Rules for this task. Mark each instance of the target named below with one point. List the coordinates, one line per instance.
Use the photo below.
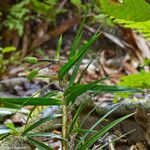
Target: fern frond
(141, 27)
(130, 14)
(132, 10)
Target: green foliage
(6, 61)
(35, 101)
(88, 143)
(75, 2)
(7, 49)
(18, 15)
(146, 62)
(31, 60)
(140, 80)
(66, 99)
(58, 49)
(22, 12)
(141, 27)
(39, 122)
(39, 145)
(129, 13)
(130, 10)
(64, 69)
(32, 74)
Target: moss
(14, 142)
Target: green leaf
(76, 41)
(51, 135)
(140, 80)
(37, 101)
(129, 14)
(110, 88)
(64, 69)
(93, 126)
(75, 2)
(31, 60)
(146, 62)
(76, 90)
(32, 74)
(39, 145)
(77, 113)
(103, 131)
(39, 122)
(86, 117)
(7, 49)
(83, 130)
(83, 72)
(11, 126)
(58, 47)
(75, 71)
(141, 27)
(101, 148)
(128, 9)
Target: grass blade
(91, 141)
(75, 71)
(78, 111)
(43, 101)
(98, 122)
(66, 67)
(79, 130)
(76, 90)
(83, 72)
(77, 39)
(110, 88)
(39, 145)
(86, 117)
(41, 121)
(58, 47)
(101, 148)
(51, 135)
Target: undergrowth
(74, 135)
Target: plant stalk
(64, 127)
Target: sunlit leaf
(31, 60)
(64, 69)
(32, 74)
(37, 101)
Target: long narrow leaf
(101, 148)
(43, 101)
(93, 139)
(77, 39)
(58, 47)
(78, 111)
(41, 121)
(84, 130)
(110, 88)
(83, 72)
(39, 145)
(86, 117)
(97, 123)
(78, 90)
(75, 71)
(51, 135)
(64, 69)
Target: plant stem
(64, 127)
